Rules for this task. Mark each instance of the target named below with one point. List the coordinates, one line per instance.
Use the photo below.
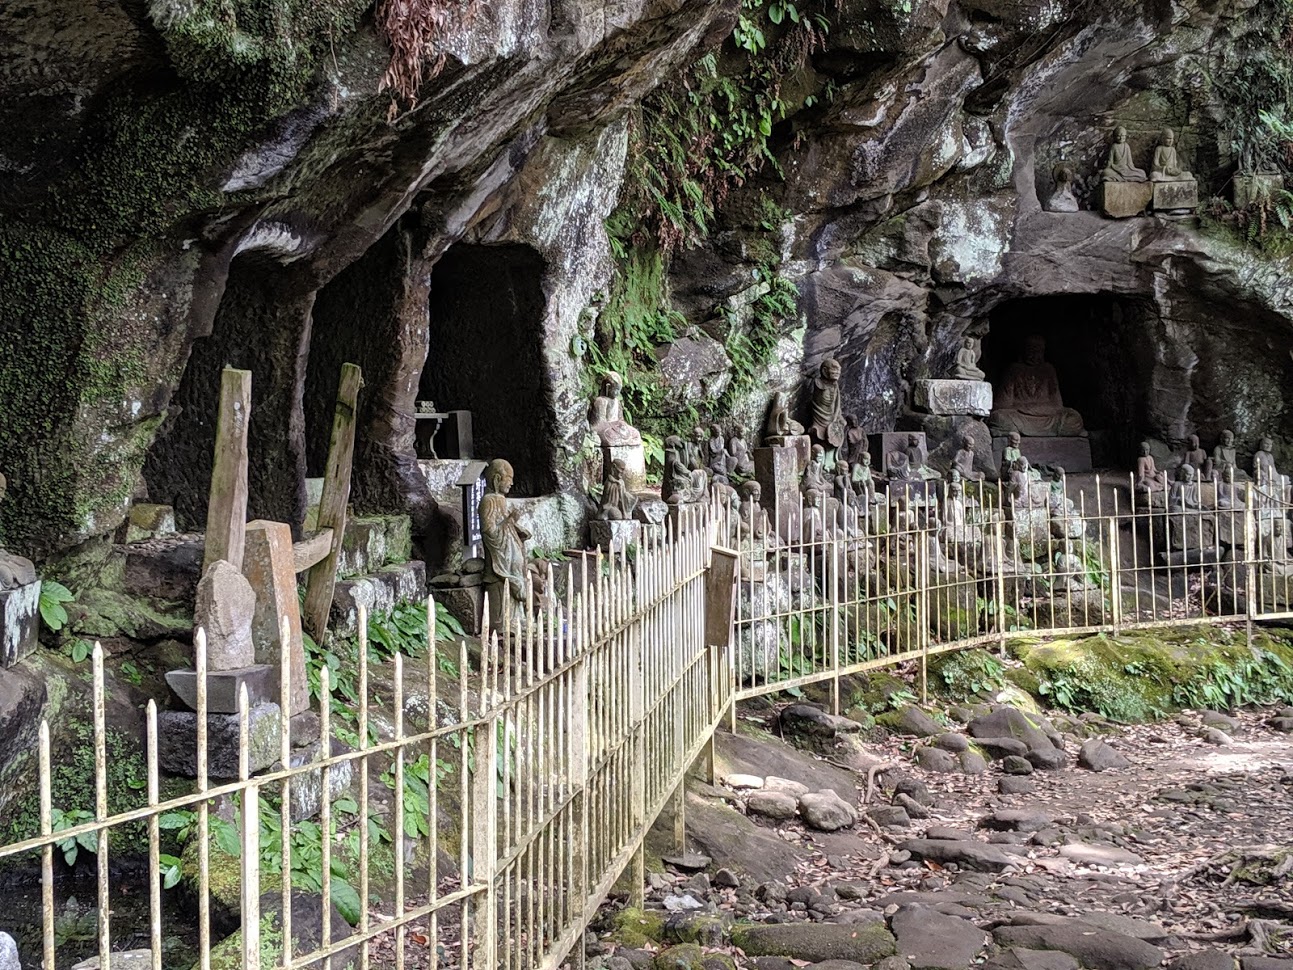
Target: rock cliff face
(198, 184)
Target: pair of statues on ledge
(1166, 165)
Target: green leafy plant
(61, 821)
(970, 673)
(53, 596)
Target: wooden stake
(227, 507)
(332, 505)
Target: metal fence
(513, 783)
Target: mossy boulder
(816, 942)
(636, 928)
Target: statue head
(1194, 442)
(1185, 473)
(1144, 449)
(813, 496)
(830, 369)
(1014, 439)
(1057, 474)
(819, 453)
(956, 476)
(1021, 464)
(843, 468)
(1228, 474)
(913, 441)
(968, 343)
(851, 421)
(1034, 349)
(967, 442)
(618, 468)
(1169, 137)
(1268, 444)
(866, 459)
(698, 433)
(751, 491)
(1119, 135)
(498, 476)
(1227, 438)
(612, 384)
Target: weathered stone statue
(967, 362)
(843, 483)
(1029, 401)
(1010, 455)
(618, 500)
(864, 479)
(682, 485)
(963, 461)
(1121, 168)
(1184, 493)
(739, 461)
(1229, 495)
(1166, 166)
(815, 473)
(15, 570)
(606, 416)
(898, 463)
(916, 458)
(780, 424)
(855, 444)
(1062, 199)
(828, 415)
(696, 449)
(716, 456)
(754, 521)
(1264, 470)
(504, 541)
(1148, 477)
(1194, 455)
(1225, 454)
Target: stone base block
(615, 536)
(634, 458)
(405, 583)
(165, 568)
(1176, 195)
(224, 686)
(1121, 200)
(778, 469)
(464, 605)
(372, 541)
(19, 623)
(1071, 454)
(306, 796)
(177, 745)
(954, 397)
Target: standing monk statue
(828, 426)
(504, 541)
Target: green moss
(636, 928)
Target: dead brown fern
(414, 30)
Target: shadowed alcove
(486, 355)
(1103, 352)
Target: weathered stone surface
(147, 520)
(773, 804)
(1121, 200)
(9, 953)
(826, 811)
(614, 536)
(1203, 960)
(1002, 747)
(1094, 948)
(19, 623)
(954, 397)
(225, 607)
(1015, 765)
(1017, 785)
(930, 940)
(1020, 958)
(966, 853)
(1169, 196)
(177, 741)
(911, 720)
(267, 564)
(224, 686)
(121, 960)
(383, 591)
(1098, 755)
(937, 759)
(816, 942)
(1098, 854)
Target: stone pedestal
(1071, 454)
(778, 470)
(614, 536)
(634, 458)
(224, 686)
(1175, 195)
(1121, 200)
(19, 623)
(802, 445)
(954, 397)
(464, 603)
(177, 746)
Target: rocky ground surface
(1058, 845)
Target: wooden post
(332, 505)
(227, 507)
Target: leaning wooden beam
(332, 505)
(227, 507)
(312, 551)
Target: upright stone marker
(269, 567)
(227, 509)
(322, 578)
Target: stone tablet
(225, 607)
(1175, 195)
(949, 397)
(1122, 200)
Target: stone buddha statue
(618, 500)
(606, 415)
(828, 425)
(1184, 493)
(1194, 455)
(1264, 470)
(1166, 166)
(963, 462)
(815, 477)
(780, 424)
(1121, 168)
(15, 570)
(739, 461)
(1148, 477)
(1225, 454)
(1029, 399)
(967, 362)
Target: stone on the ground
(861, 943)
(1098, 755)
(121, 960)
(936, 759)
(972, 763)
(1019, 958)
(8, 953)
(1094, 948)
(1212, 736)
(911, 720)
(224, 608)
(681, 903)
(1099, 854)
(1047, 759)
(778, 805)
(966, 853)
(1015, 764)
(826, 811)
(929, 940)
(1220, 721)
(890, 816)
(807, 719)
(726, 879)
(1282, 724)
(839, 965)
(1017, 785)
(690, 861)
(1016, 820)
(913, 808)
(177, 741)
(1002, 747)
(952, 742)
(894, 962)
(739, 781)
(1141, 929)
(1203, 960)
(1265, 963)
(946, 832)
(915, 789)
(1010, 722)
(774, 783)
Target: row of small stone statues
(1221, 466)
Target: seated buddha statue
(1029, 402)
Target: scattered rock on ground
(772, 804)
(1099, 755)
(816, 942)
(1094, 948)
(1099, 854)
(826, 811)
(929, 940)
(968, 854)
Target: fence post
(637, 724)
(251, 875)
(999, 552)
(1115, 573)
(920, 536)
(837, 549)
(484, 837)
(1250, 565)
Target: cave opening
(486, 355)
(1102, 348)
(261, 325)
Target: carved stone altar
(951, 397)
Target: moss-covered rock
(635, 928)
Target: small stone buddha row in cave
(1128, 190)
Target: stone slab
(1176, 195)
(778, 470)
(372, 541)
(1121, 200)
(614, 536)
(634, 458)
(268, 566)
(1071, 454)
(19, 623)
(954, 397)
(164, 568)
(177, 741)
(405, 583)
(223, 687)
